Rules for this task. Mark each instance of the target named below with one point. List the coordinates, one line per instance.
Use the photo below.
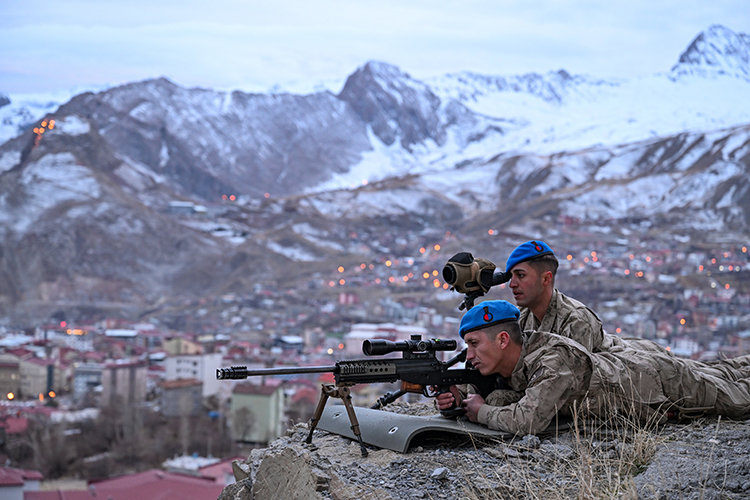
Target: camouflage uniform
(555, 376)
(570, 318)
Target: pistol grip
(454, 412)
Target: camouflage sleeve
(584, 329)
(503, 397)
(552, 385)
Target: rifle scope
(378, 347)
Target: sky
(307, 45)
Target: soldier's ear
(503, 339)
(546, 277)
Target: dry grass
(604, 456)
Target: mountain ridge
(389, 161)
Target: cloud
(252, 45)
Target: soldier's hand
(472, 405)
(445, 400)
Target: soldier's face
(526, 284)
(485, 353)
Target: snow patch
(8, 160)
(70, 125)
(53, 179)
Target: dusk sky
(303, 45)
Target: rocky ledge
(703, 459)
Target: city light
(422, 250)
(426, 276)
(491, 232)
(363, 266)
(437, 248)
(405, 278)
(342, 281)
(51, 394)
(631, 256)
(341, 269)
(436, 283)
(648, 259)
(445, 285)
(341, 346)
(627, 272)
(391, 279)
(682, 321)
(435, 272)
(330, 351)
(569, 257)
(726, 286)
(63, 324)
(618, 330)
(331, 283)
(267, 195)
(11, 395)
(388, 263)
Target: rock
(440, 473)
(531, 442)
(286, 475)
(240, 469)
(241, 490)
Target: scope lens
(449, 274)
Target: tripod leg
(324, 391)
(347, 398)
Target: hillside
(294, 184)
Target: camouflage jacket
(555, 375)
(572, 319)
(552, 373)
(569, 318)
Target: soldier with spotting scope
(531, 269)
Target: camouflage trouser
(723, 386)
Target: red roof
(150, 485)
(10, 477)
(16, 425)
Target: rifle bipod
(343, 393)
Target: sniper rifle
(418, 369)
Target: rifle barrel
(240, 372)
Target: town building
(257, 412)
(181, 398)
(124, 383)
(200, 367)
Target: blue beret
(527, 251)
(487, 313)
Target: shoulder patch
(537, 374)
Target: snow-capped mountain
(84, 189)
(717, 51)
